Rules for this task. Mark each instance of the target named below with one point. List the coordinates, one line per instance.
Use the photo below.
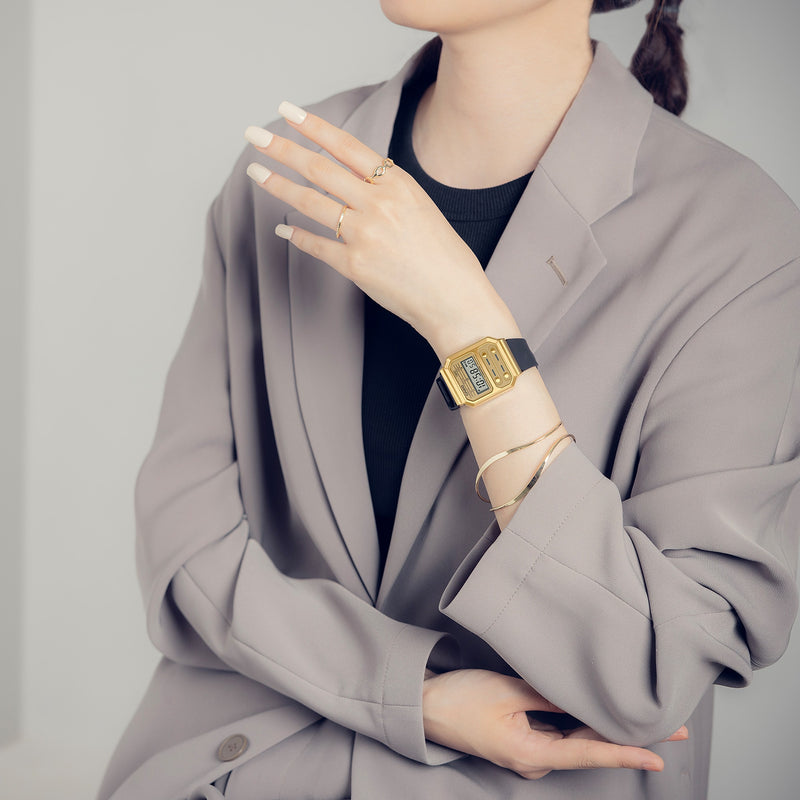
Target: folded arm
(623, 611)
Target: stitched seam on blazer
(282, 666)
(541, 552)
(590, 579)
(383, 682)
(316, 686)
(690, 616)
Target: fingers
(328, 250)
(315, 167)
(578, 753)
(584, 732)
(308, 201)
(341, 145)
(680, 735)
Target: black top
(399, 364)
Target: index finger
(343, 146)
(570, 753)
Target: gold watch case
(480, 372)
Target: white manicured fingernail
(257, 136)
(258, 172)
(292, 112)
(284, 231)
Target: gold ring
(380, 170)
(341, 220)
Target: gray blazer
(656, 274)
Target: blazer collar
(592, 157)
(544, 260)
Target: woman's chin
(458, 16)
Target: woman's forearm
(515, 417)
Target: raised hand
(395, 243)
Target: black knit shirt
(392, 398)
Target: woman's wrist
(472, 321)
(429, 688)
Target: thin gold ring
(341, 220)
(387, 163)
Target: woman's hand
(484, 714)
(395, 244)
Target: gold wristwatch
(483, 370)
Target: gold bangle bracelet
(489, 461)
(536, 475)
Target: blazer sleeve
(214, 597)
(624, 610)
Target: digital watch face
(475, 375)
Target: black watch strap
(523, 355)
(448, 397)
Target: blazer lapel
(545, 259)
(327, 323)
(327, 346)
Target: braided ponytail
(658, 63)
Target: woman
(341, 615)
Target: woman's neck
(499, 97)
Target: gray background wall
(14, 92)
(113, 143)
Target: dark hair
(658, 62)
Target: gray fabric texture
(655, 557)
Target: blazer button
(232, 747)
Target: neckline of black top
(492, 202)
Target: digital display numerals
(475, 375)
